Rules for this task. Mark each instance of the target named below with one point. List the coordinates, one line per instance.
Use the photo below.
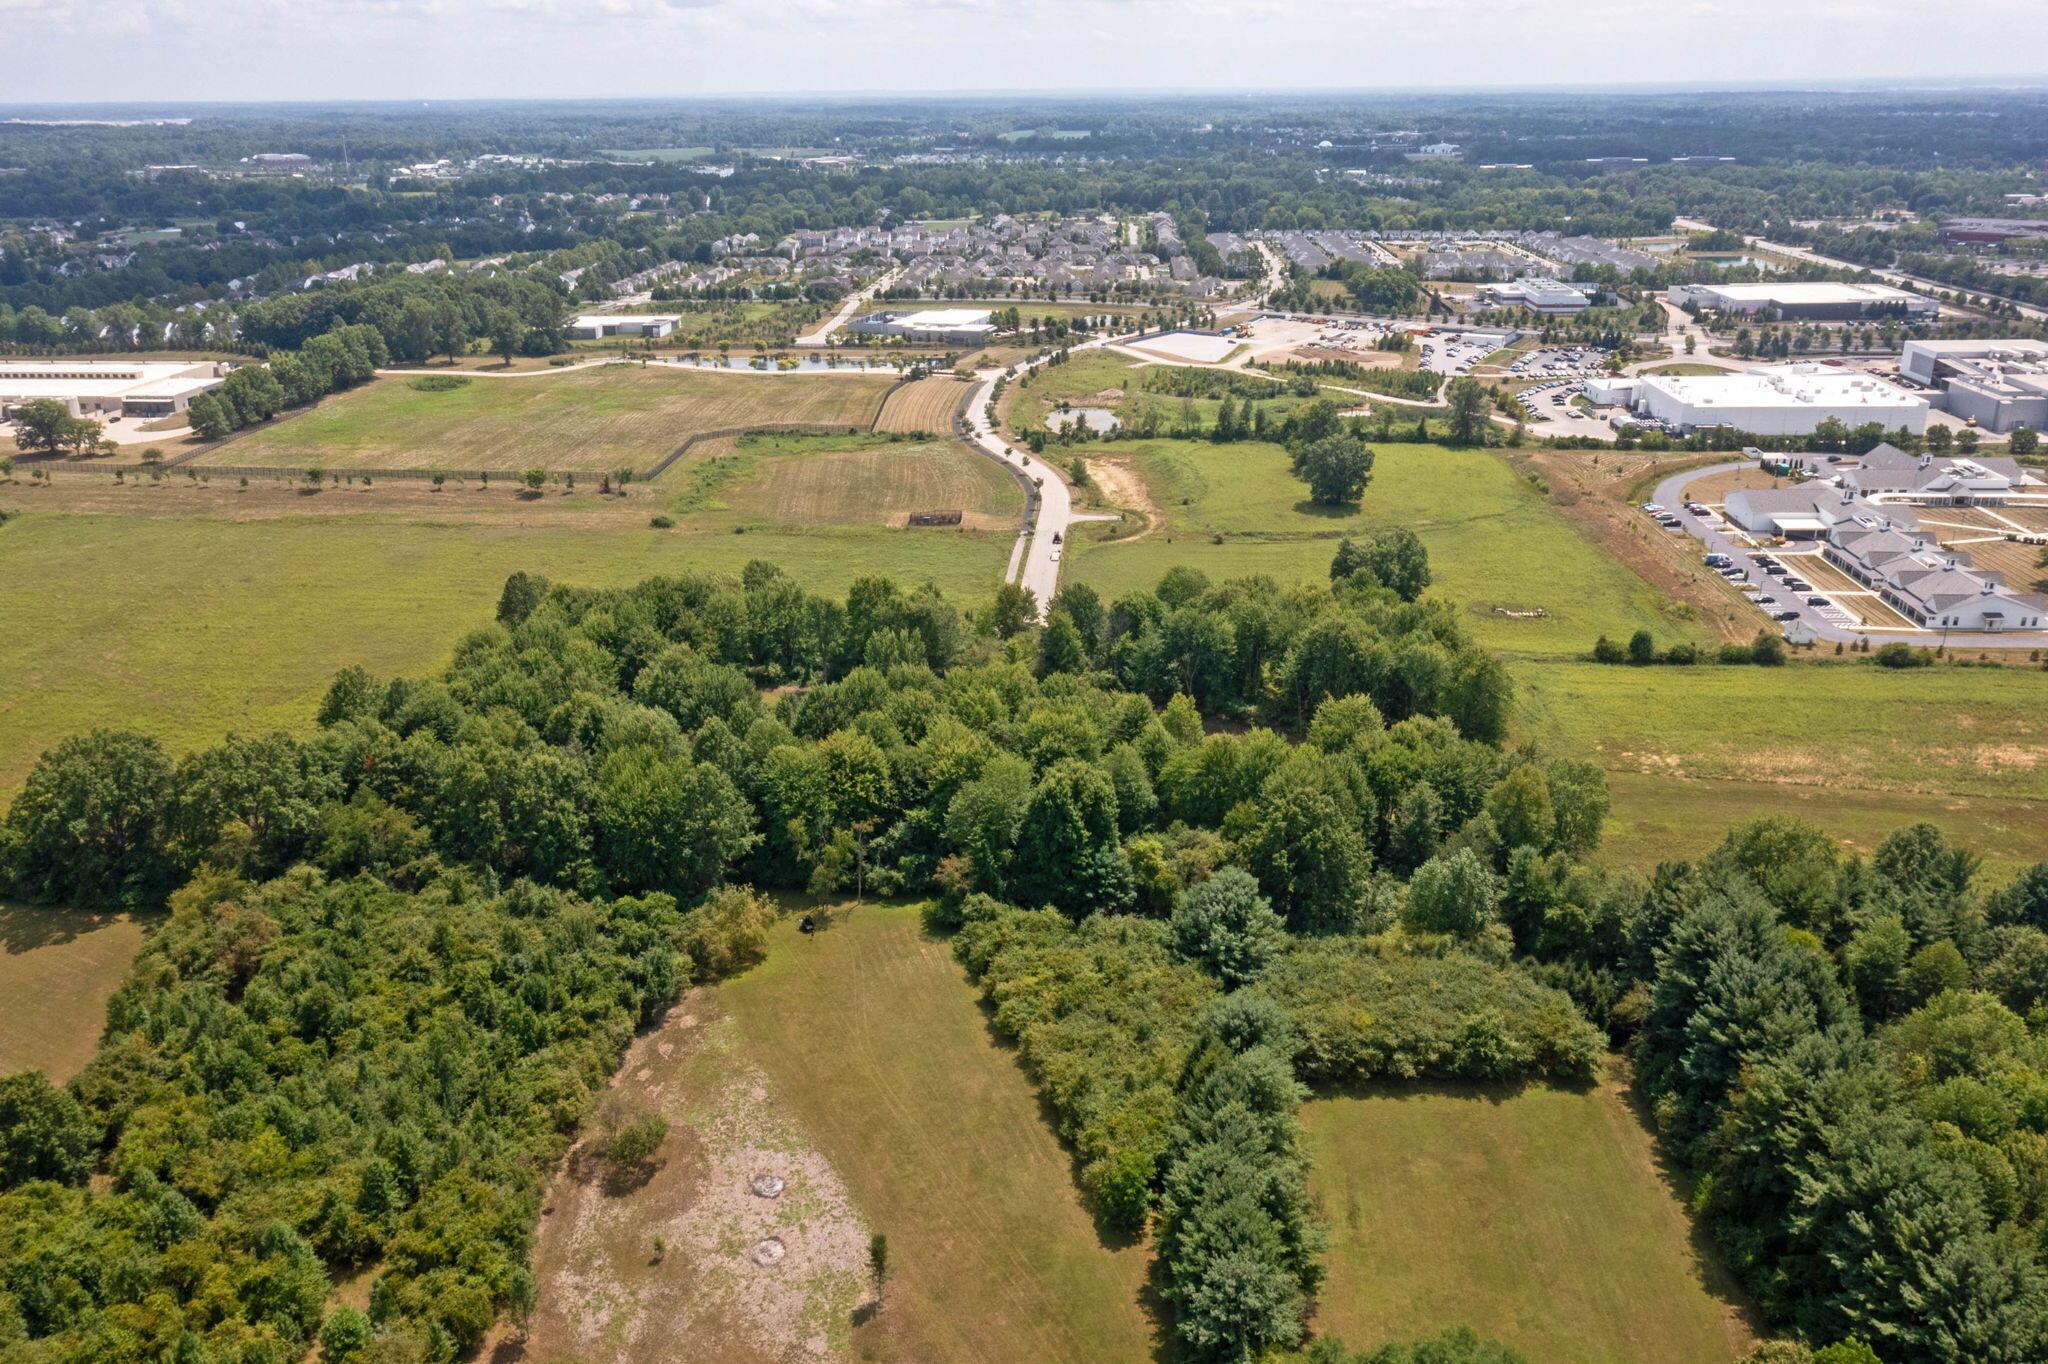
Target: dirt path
(631, 1269)
(1122, 486)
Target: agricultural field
(923, 405)
(780, 481)
(1495, 545)
(58, 968)
(1540, 1217)
(857, 1065)
(607, 417)
(225, 615)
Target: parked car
(1816, 600)
(1784, 615)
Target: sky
(96, 51)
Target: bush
(630, 1139)
(662, 522)
(437, 383)
(1899, 654)
(727, 933)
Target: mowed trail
(872, 1031)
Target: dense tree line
(338, 358)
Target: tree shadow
(1328, 511)
(24, 928)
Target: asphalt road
(1719, 537)
(1041, 545)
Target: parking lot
(1560, 361)
(1455, 353)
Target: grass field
(1538, 1217)
(923, 405)
(780, 481)
(1855, 748)
(58, 967)
(1493, 540)
(871, 1031)
(187, 627)
(616, 416)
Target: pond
(1094, 418)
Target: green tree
(91, 825)
(1469, 407)
(665, 824)
(1227, 927)
(1453, 893)
(1068, 849)
(1394, 558)
(1336, 469)
(44, 1132)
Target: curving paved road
(1720, 537)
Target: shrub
(1899, 654)
(662, 522)
(437, 383)
(727, 933)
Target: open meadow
(1539, 1217)
(856, 1065)
(784, 481)
(58, 968)
(189, 611)
(1495, 544)
(596, 419)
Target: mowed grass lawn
(610, 417)
(1538, 1217)
(58, 968)
(1493, 541)
(872, 1033)
(771, 480)
(187, 629)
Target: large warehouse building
(1787, 400)
(108, 388)
(1808, 301)
(598, 326)
(947, 326)
(1999, 385)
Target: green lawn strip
(59, 967)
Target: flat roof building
(1991, 230)
(1546, 296)
(1999, 385)
(1813, 300)
(108, 388)
(598, 326)
(949, 326)
(1786, 400)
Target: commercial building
(1786, 400)
(1890, 474)
(1934, 587)
(598, 326)
(1811, 301)
(1993, 230)
(1999, 385)
(108, 388)
(946, 326)
(1546, 296)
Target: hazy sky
(97, 50)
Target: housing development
(1104, 723)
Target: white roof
(1781, 386)
(938, 318)
(25, 380)
(615, 319)
(1809, 292)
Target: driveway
(1723, 537)
(847, 309)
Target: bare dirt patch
(1714, 488)
(691, 1252)
(1124, 487)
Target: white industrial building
(1785, 400)
(1547, 296)
(1811, 301)
(1999, 385)
(948, 326)
(598, 326)
(108, 388)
